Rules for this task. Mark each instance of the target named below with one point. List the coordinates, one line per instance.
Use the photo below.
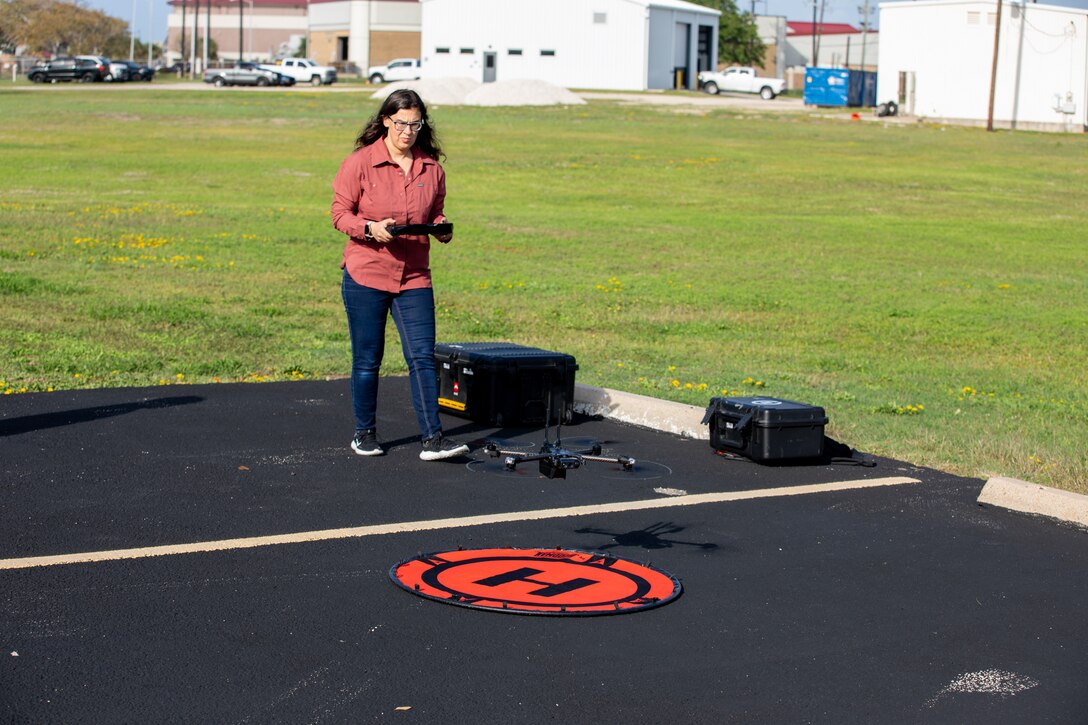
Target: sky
(150, 15)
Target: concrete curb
(678, 418)
(687, 421)
(1011, 493)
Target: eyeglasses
(402, 126)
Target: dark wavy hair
(426, 139)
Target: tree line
(57, 27)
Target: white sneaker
(437, 448)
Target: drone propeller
(501, 443)
(497, 467)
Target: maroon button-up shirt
(370, 186)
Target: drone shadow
(649, 538)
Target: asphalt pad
(242, 559)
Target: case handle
(743, 422)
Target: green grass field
(925, 284)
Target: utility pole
(993, 70)
(241, 44)
(182, 48)
(192, 40)
(814, 33)
(865, 24)
(132, 34)
(207, 32)
(150, 24)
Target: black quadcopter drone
(555, 460)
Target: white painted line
(435, 524)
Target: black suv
(84, 70)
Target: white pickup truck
(398, 69)
(741, 79)
(303, 70)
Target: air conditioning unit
(1064, 105)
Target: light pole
(132, 34)
(181, 72)
(192, 40)
(241, 43)
(151, 25)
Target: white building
(610, 44)
(347, 33)
(772, 31)
(936, 60)
(836, 45)
(262, 27)
(364, 32)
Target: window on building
(600, 18)
(547, 52)
(467, 51)
(514, 51)
(341, 47)
(441, 50)
(973, 17)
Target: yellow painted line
(454, 523)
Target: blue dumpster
(839, 87)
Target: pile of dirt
(467, 92)
(522, 92)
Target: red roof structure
(797, 28)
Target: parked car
(741, 79)
(246, 74)
(138, 72)
(84, 70)
(119, 71)
(106, 64)
(176, 67)
(304, 70)
(398, 69)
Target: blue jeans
(413, 313)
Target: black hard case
(766, 429)
(502, 383)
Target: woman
(392, 178)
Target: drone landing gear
(554, 459)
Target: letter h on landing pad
(549, 589)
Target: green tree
(738, 37)
(57, 27)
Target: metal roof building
(609, 44)
(937, 61)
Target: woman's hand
(444, 238)
(380, 231)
